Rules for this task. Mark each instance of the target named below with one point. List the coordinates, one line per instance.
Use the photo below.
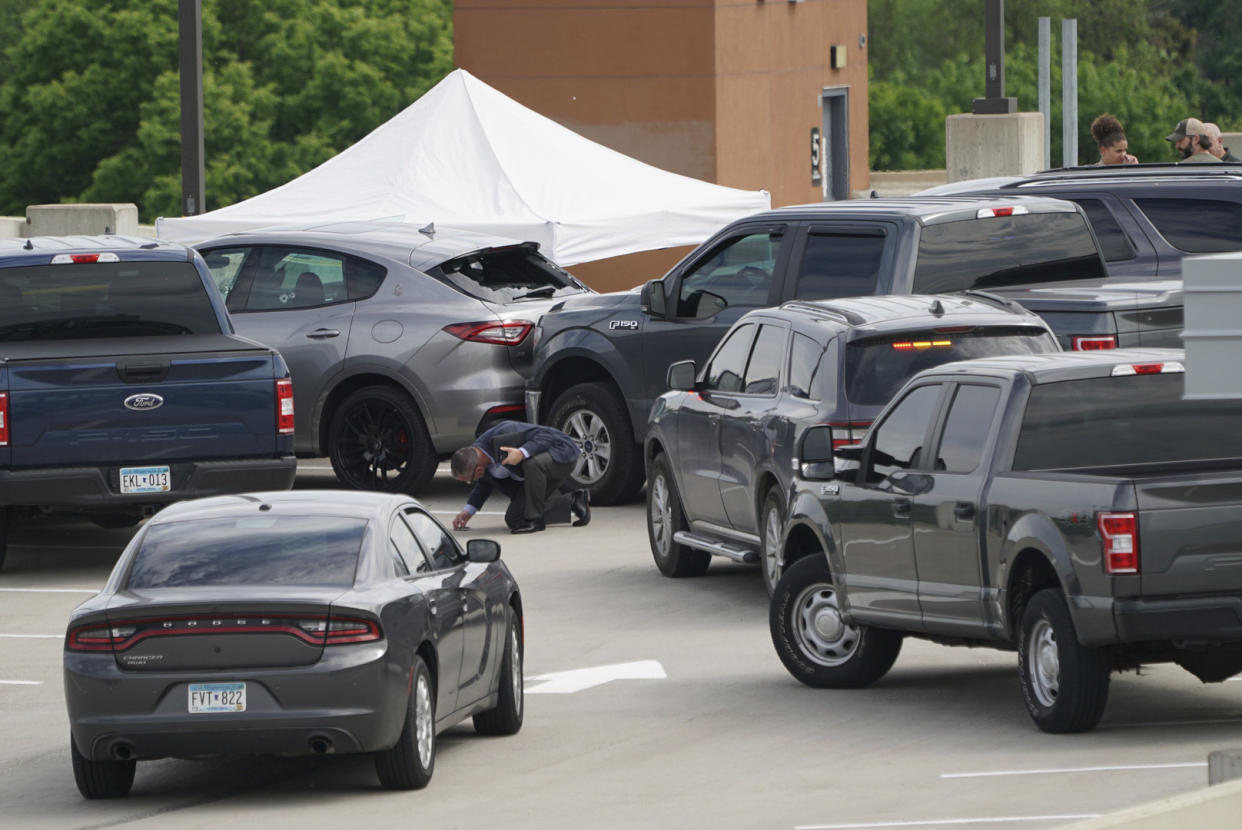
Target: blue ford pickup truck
(123, 386)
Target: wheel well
(347, 387)
(765, 483)
(570, 372)
(1031, 572)
(800, 543)
(428, 653)
(650, 453)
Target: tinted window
(740, 271)
(763, 373)
(104, 299)
(877, 367)
(1103, 422)
(1113, 242)
(407, 547)
(839, 265)
(437, 543)
(1000, 251)
(504, 275)
(804, 363)
(899, 440)
(966, 428)
(250, 550)
(1196, 226)
(284, 278)
(729, 363)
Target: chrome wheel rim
(515, 668)
(589, 433)
(822, 636)
(660, 515)
(1043, 663)
(772, 546)
(424, 729)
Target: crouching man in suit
(531, 465)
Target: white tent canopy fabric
(466, 156)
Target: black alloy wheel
(378, 441)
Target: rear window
(250, 550)
(503, 275)
(876, 368)
(1003, 251)
(1196, 226)
(1118, 421)
(104, 299)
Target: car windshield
(103, 299)
(251, 550)
(876, 367)
(505, 275)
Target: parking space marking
(941, 822)
(51, 590)
(1054, 771)
(34, 636)
(21, 682)
(1206, 722)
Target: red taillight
(1119, 537)
(1165, 368)
(284, 406)
(83, 259)
(986, 213)
(4, 419)
(918, 345)
(507, 333)
(317, 631)
(1091, 343)
(845, 433)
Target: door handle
(431, 607)
(324, 334)
(964, 511)
(901, 508)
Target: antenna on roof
(29, 246)
(937, 308)
(429, 231)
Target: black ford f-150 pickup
(1072, 506)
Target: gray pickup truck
(600, 360)
(1072, 506)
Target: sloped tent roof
(466, 156)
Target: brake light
(506, 333)
(1166, 368)
(987, 213)
(284, 406)
(918, 345)
(1119, 537)
(314, 630)
(83, 259)
(1091, 343)
(4, 419)
(845, 433)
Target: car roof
(1053, 367)
(924, 209)
(418, 245)
(894, 312)
(1103, 176)
(357, 504)
(40, 249)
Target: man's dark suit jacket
(530, 437)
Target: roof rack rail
(822, 307)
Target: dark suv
(719, 451)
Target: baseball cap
(1185, 127)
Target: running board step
(715, 548)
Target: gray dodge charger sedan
(292, 623)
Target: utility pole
(190, 30)
(994, 102)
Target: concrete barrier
(978, 146)
(86, 219)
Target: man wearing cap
(1192, 142)
(1218, 143)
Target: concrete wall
(993, 145)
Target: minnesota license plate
(217, 697)
(145, 480)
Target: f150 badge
(630, 325)
(144, 401)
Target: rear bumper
(1213, 619)
(99, 487)
(348, 701)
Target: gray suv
(403, 342)
(720, 447)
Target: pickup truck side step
(728, 551)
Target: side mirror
(652, 299)
(482, 550)
(681, 375)
(815, 454)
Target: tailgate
(1190, 533)
(83, 411)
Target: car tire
(665, 518)
(1064, 684)
(771, 526)
(101, 779)
(506, 717)
(409, 764)
(597, 420)
(816, 646)
(377, 441)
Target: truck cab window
(739, 271)
(898, 443)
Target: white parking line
(1054, 771)
(1169, 723)
(34, 636)
(51, 590)
(21, 682)
(940, 822)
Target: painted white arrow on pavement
(568, 682)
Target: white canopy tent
(466, 156)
